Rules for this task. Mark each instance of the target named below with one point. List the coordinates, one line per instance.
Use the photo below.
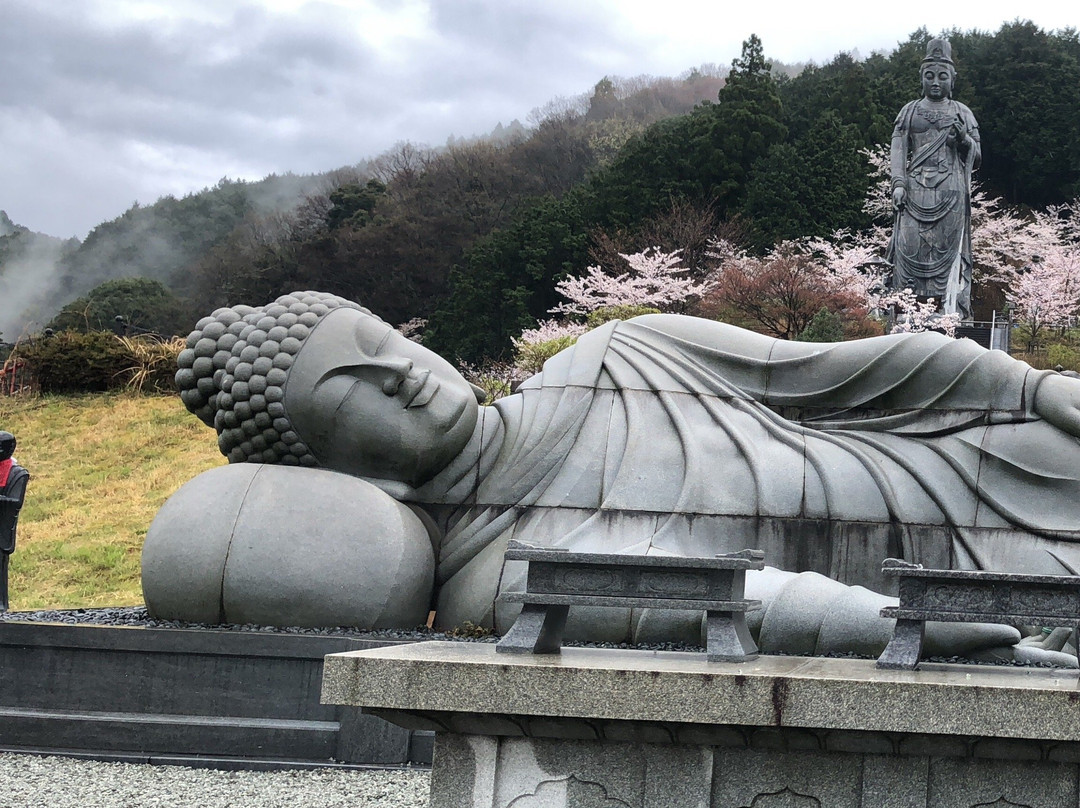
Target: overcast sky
(105, 102)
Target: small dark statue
(13, 479)
(935, 148)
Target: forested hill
(474, 235)
(160, 242)
(247, 240)
(773, 158)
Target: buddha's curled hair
(232, 374)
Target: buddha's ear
(479, 392)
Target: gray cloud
(252, 93)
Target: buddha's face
(367, 401)
(937, 81)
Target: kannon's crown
(938, 50)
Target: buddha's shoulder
(684, 325)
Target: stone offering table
(611, 728)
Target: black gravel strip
(139, 617)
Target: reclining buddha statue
(662, 434)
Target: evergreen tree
(507, 281)
(810, 188)
(1023, 85)
(142, 303)
(704, 157)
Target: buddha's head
(316, 380)
(938, 70)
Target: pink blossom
(914, 315)
(653, 278)
(549, 330)
(413, 328)
(1047, 291)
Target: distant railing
(992, 334)
(15, 378)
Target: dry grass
(101, 467)
(155, 361)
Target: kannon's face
(937, 81)
(367, 401)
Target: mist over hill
(28, 279)
(39, 273)
(173, 239)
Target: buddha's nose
(397, 371)
(396, 364)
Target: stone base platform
(612, 728)
(228, 699)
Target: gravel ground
(28, 781)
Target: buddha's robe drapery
(673, 435)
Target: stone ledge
(790, 692)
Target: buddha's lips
(424, 388)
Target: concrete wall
(140, 693)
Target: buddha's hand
(898, 195)
(959, 136)
(1050, 647)
(1057, 400)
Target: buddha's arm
(1057, 400)
(898, 156)
(898, 372)
(711, 335)
(970, 144)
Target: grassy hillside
(101, 467)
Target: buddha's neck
(458, 482)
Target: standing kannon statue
(935, 148)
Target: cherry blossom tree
(781, 292)
(878, 203)
(413, 329)
(547, 330)
(653, 278)
(1047, 291)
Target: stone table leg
(727, 638)
(538, 630)
(903, 651)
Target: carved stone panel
(1046, 601)
(744, 778)
(785, 798)
(568, 791)
(1001, 784)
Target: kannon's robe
(674, 435)
(930, 248)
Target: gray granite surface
(618, 729)
(794, 692)
(373, 561)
